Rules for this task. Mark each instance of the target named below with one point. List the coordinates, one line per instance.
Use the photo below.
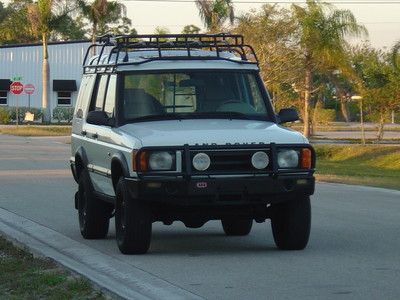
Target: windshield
(192, 94)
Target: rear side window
(109, 104)
(101, 92)
(85, 95)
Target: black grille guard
(187, 171)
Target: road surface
(354, 249)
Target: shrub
(324, 116)
(12, 111)
(4, 116)
(63, 114)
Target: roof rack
(124, 44)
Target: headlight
(260, 160)
(288, 158)
(161, 161)
(201, 161)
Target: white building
(65, 61)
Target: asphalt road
(354, 250)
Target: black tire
(133, 222)
(238, 227)
(291, 224)
(94, 214)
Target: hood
(210, 131)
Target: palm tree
(322, 31)
(215, 13)
(395, 52)
(100, 13)
(44, 19)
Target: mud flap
(76, 200)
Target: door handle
(95, 135)
(83, 132)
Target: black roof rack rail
(123, 44)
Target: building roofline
(40, 44)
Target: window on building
(64, 90)
(3, 97)
(64, 99)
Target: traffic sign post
(29, 89)
(16, 88)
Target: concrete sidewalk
(112, 275)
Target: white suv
(181, 127)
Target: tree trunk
(381, 126)
(344, 108)
(45, 81)
(307, 100)
(94, 35)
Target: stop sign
(16, 88)
(29, 89)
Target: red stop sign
(16, 88)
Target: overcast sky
(381, 19)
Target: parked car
(181, 128)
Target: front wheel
(238, 227)
(133, 222)
(291, 223)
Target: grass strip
(373, 165)
(23, 276)
(36, 130)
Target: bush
(12, 111)
(63, 114)
(4, 116)
(324, 116)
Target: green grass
(28, 130)
(374, 165)
(23, 276)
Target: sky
(381, 17)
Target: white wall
(65, 61)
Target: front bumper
(221, 190)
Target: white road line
(109, 273)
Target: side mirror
(98, 117)
(288, 115)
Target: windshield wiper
(169, 116)
(196, 115)
(222, 114)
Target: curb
(114, 276)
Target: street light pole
(361, 117)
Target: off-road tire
(291, 223)
(94, 214)
(237, 227)
(133, 222)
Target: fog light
(260, 160)
(201, 161)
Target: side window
(110, 96)
(64, 99)
(83, 96)
(101, 92)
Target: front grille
(230, 161)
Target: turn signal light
(139, 163)
(134, 164)
(305, 158)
